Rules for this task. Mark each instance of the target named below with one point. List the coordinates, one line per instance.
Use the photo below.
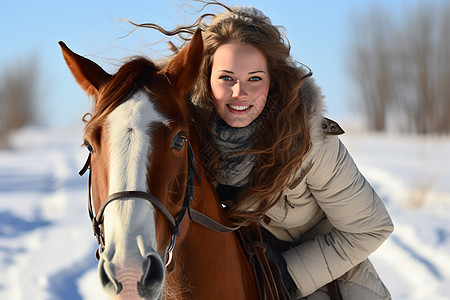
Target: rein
(198, 217)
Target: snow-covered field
(47, 248)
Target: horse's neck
(208, 263)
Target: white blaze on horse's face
(129, 224)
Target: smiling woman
(240, 83)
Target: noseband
(97, 220)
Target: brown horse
(142, 182)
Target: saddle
(267, 274)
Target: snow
(411, 174)
(47, 247)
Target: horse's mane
(132, 76)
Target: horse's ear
(87, 73)
(183, 69)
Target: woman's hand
(278, 259)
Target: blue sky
(318, 31)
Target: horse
(144, 179)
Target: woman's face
(240, 83)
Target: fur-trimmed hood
(318, 125)
(315, 109)
(313, 100)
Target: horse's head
(138, 141)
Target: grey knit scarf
(235, 169)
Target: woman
(276, 160)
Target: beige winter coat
(332, 215)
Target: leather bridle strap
(209, 223)
(95, 225)
(175, 224)
(135, 194)
(195, 215)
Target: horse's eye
(179, 140)
(89, 147)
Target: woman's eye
(226, 78)
(255, 78)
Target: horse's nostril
(154, 271)
(152, 278)
(107, 279)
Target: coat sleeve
(359, 218)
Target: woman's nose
(238, 90)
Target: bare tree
(403, 70)
(417, 56)
(18, 90)
(370, 63)
(443, 71)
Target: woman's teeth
(239, 107)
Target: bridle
(97, 220)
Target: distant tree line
(401, 68)
(18, 92)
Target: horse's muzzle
(133, 280)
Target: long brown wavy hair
(282, 139)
